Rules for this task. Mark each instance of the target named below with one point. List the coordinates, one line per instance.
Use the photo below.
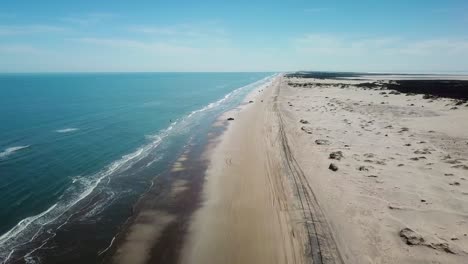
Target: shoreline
(262, 188)
(157, 228)
(247, 214)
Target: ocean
(78, 150)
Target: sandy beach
(326, 171)
(305, 170)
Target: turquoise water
(84, 142)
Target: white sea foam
(66, 130)
(107, 248)
(9, 151)
(23, 224)
(28, 228)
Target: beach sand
(395, 193)
(245, 217)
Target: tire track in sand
(321, 244)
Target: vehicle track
(321, 245)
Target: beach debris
(393, 207)
(251, 102)
(306, 129)
(337, 155)
(304, 121)
(448, 174)
(455, 183)
(414, 239)
(428, 96)
(363, 168)
(230, 118)
(333, 167)
(423, 201)
(322, 142)
(372, 176)
(411, 237)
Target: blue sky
(377, 36)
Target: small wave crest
(66, 130)
(8, 151)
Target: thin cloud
(18, 48)
(29, 29)
(89, 18)
(183, 30)
(381, 53)
(162, 48)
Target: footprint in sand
(322, 142)
(423, 151)
(461, 166)
(306, 129)
(364, 168)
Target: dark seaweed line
(311, 210)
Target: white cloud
(18, 48)
(335, 52)
(29, 29)
(203, 30)
(162, 48)
(332, 44)
(89, 18)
